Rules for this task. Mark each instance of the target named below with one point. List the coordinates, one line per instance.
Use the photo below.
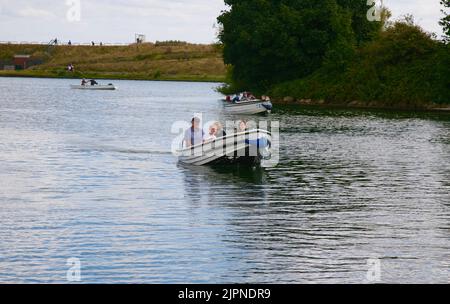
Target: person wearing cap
(194, 135)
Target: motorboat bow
(249, 148)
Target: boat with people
(93, 85)
(247, 104)
(109, 87)
(245, 148)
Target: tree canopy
(445, 21)
(271, 41)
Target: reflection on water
(89, 175)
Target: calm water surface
(89, 175)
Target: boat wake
(122, 150)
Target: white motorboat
(249, 107)
(248, 148)
(109, 87)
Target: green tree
(445, 21)
(271, 41)
(364, 29)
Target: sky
(117, 21)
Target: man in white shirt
(194, 135)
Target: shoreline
(106, 76)
(287, 101)
(374, 105)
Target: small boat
(247, 148)
(109, 87)
(249, 107)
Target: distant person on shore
(71, 68)
(93, 43)
(70, 43)
(194, 135)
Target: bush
(404, 65)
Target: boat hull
(249, 108)
(242, 148)
(94, 87)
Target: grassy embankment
(159, 61)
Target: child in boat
(212, 133)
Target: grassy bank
(159, 61)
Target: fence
(65, 43)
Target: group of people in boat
(92, 82)
(195, 135)
(243, 97)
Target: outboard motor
(264, 145)
(268, 105)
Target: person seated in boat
(228, 98)
(216, 131)
(93, 82)
(236, 99)
(220, 132)
(212, 136)
(194, 135)
(242, 126)
(83, 82)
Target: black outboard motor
(268, 106)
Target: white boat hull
(236, 148)
(249, 108)
(94, 87)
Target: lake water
(90, 176)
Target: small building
(21, 61)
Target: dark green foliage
(271, 41)
(403, 67)
(364, 30)
(327, 49)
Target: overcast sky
(112, 21)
